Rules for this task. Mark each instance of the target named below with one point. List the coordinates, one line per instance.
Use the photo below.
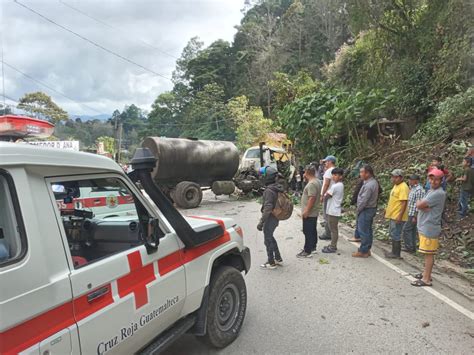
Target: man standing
(366, 209)
(355, 194)
(269, 222)
(429, 224)
(410, 233)
(329, 165)
(467, 188)
(397, 212)
(310, 210)
(335, 196)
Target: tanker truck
(185, 167)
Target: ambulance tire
(226, 308)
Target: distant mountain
(102, 117)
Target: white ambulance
(88, 265)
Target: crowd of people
(414, 211)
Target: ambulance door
(124, 294)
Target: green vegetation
(452, 115)
(332, 118)
(324, 72)
(132, 120)
(41, 105)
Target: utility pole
(117, 134)
(119, 141)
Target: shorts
(428, 245)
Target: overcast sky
(92, 76)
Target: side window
(101, 217)
(12, 238)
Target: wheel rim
(228, 307)
(190, 194)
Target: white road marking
(407, 275)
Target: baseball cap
(414, 177)
(436, 173)
(330, 158)
(397, 172)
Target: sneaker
(304, 254)
(329, 249)
(314, 251)
(279, 262)
(269, 265)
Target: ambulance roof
(18, 154)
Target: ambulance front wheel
(227, 306)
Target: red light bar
(22, 127)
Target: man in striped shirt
(410, 232)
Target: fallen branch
(411, 148)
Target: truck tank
(199, 161)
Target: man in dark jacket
(269, 222)
(366, 209)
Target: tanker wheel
(187, 194)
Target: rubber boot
(396, 250)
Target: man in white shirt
(329, 164)
(334, 197)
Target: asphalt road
(347, 305)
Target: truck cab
(89, 265)
(270, 156)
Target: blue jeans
(410, 234)
(463, 205)
(269, 240)
(356, 232)
(395, 230)
(365, 221)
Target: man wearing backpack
(269, 222)
(310, 210)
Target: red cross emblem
(135, 282)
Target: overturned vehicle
(248, 179)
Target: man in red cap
(429, 224)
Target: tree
(165, 115)
(213, 65)
(190, 52)
(41, 105)
(288, 88)
(206, 116)
(252, 126)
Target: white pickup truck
(88, 265)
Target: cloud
(92, 76)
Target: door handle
(98, 293)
